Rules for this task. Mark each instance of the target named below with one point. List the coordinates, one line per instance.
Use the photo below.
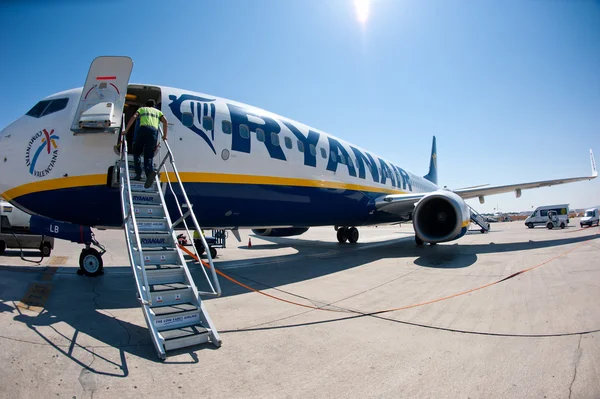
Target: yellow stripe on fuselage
(193, 177)
(54, 184)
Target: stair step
(184, 337)
(168, 294)
(165, 275)
(138, 187)
(161, 257)
(177, 320)
(149, 211)
(150, 224)
(145, 198)
(156, 240)
(173, 309)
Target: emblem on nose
(42, 152)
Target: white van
(15, 216)
(590, 218)
(14, 231)
(539, 217)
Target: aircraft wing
(405, 203)
(480, 191)
(399, 204)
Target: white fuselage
(242, 167)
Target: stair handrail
(215, 286)
(145, 293)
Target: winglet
(594, 171)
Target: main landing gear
(90, 260)
(420, 242)
(349, 234)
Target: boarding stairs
(171, 303)
(479, 220)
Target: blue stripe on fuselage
(220, 205)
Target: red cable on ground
(385, 310)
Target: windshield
(589, 214)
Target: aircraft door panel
(101, 104)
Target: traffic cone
(249, 243)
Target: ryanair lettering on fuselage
(269, 128)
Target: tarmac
(452, 320)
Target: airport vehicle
(238, 167)
(15, 233)
(539, 217)
(555, 221)
(590, 218)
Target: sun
(362, 10)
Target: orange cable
(391, 309)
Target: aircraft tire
(352, 235)
(2, 247)
(342, 234)
(418, 241)
(199, 247)
(46, 249)
(90, 262)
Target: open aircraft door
(101, 104)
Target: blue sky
(510, 88)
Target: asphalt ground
(452, 320)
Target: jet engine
(441, 216)
(282, 232)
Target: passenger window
(544, 213)
(288, 142)
(226, 126)
(207, 123)
(313, 150)
(187, 119)
(275, 139)
(300, 146)
(56, 105)
(244, 131)
(38, 109)
(323, 152)
(260, 135)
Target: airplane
(238, 166)
(242, 167)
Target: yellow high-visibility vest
(149, 116)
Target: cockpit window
(38, 109)
(56, 105)
(48, 107)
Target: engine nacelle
(280, 232)
(441, 216)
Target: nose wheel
(349, 234)
(90, 259)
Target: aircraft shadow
(308, 263)
(91, 305)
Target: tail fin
(432, 175)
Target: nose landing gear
(349, 234)
(90, 260)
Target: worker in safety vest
(144, 140)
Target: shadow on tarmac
(85, 304)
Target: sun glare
(362, 10)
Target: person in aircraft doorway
(144, 140)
